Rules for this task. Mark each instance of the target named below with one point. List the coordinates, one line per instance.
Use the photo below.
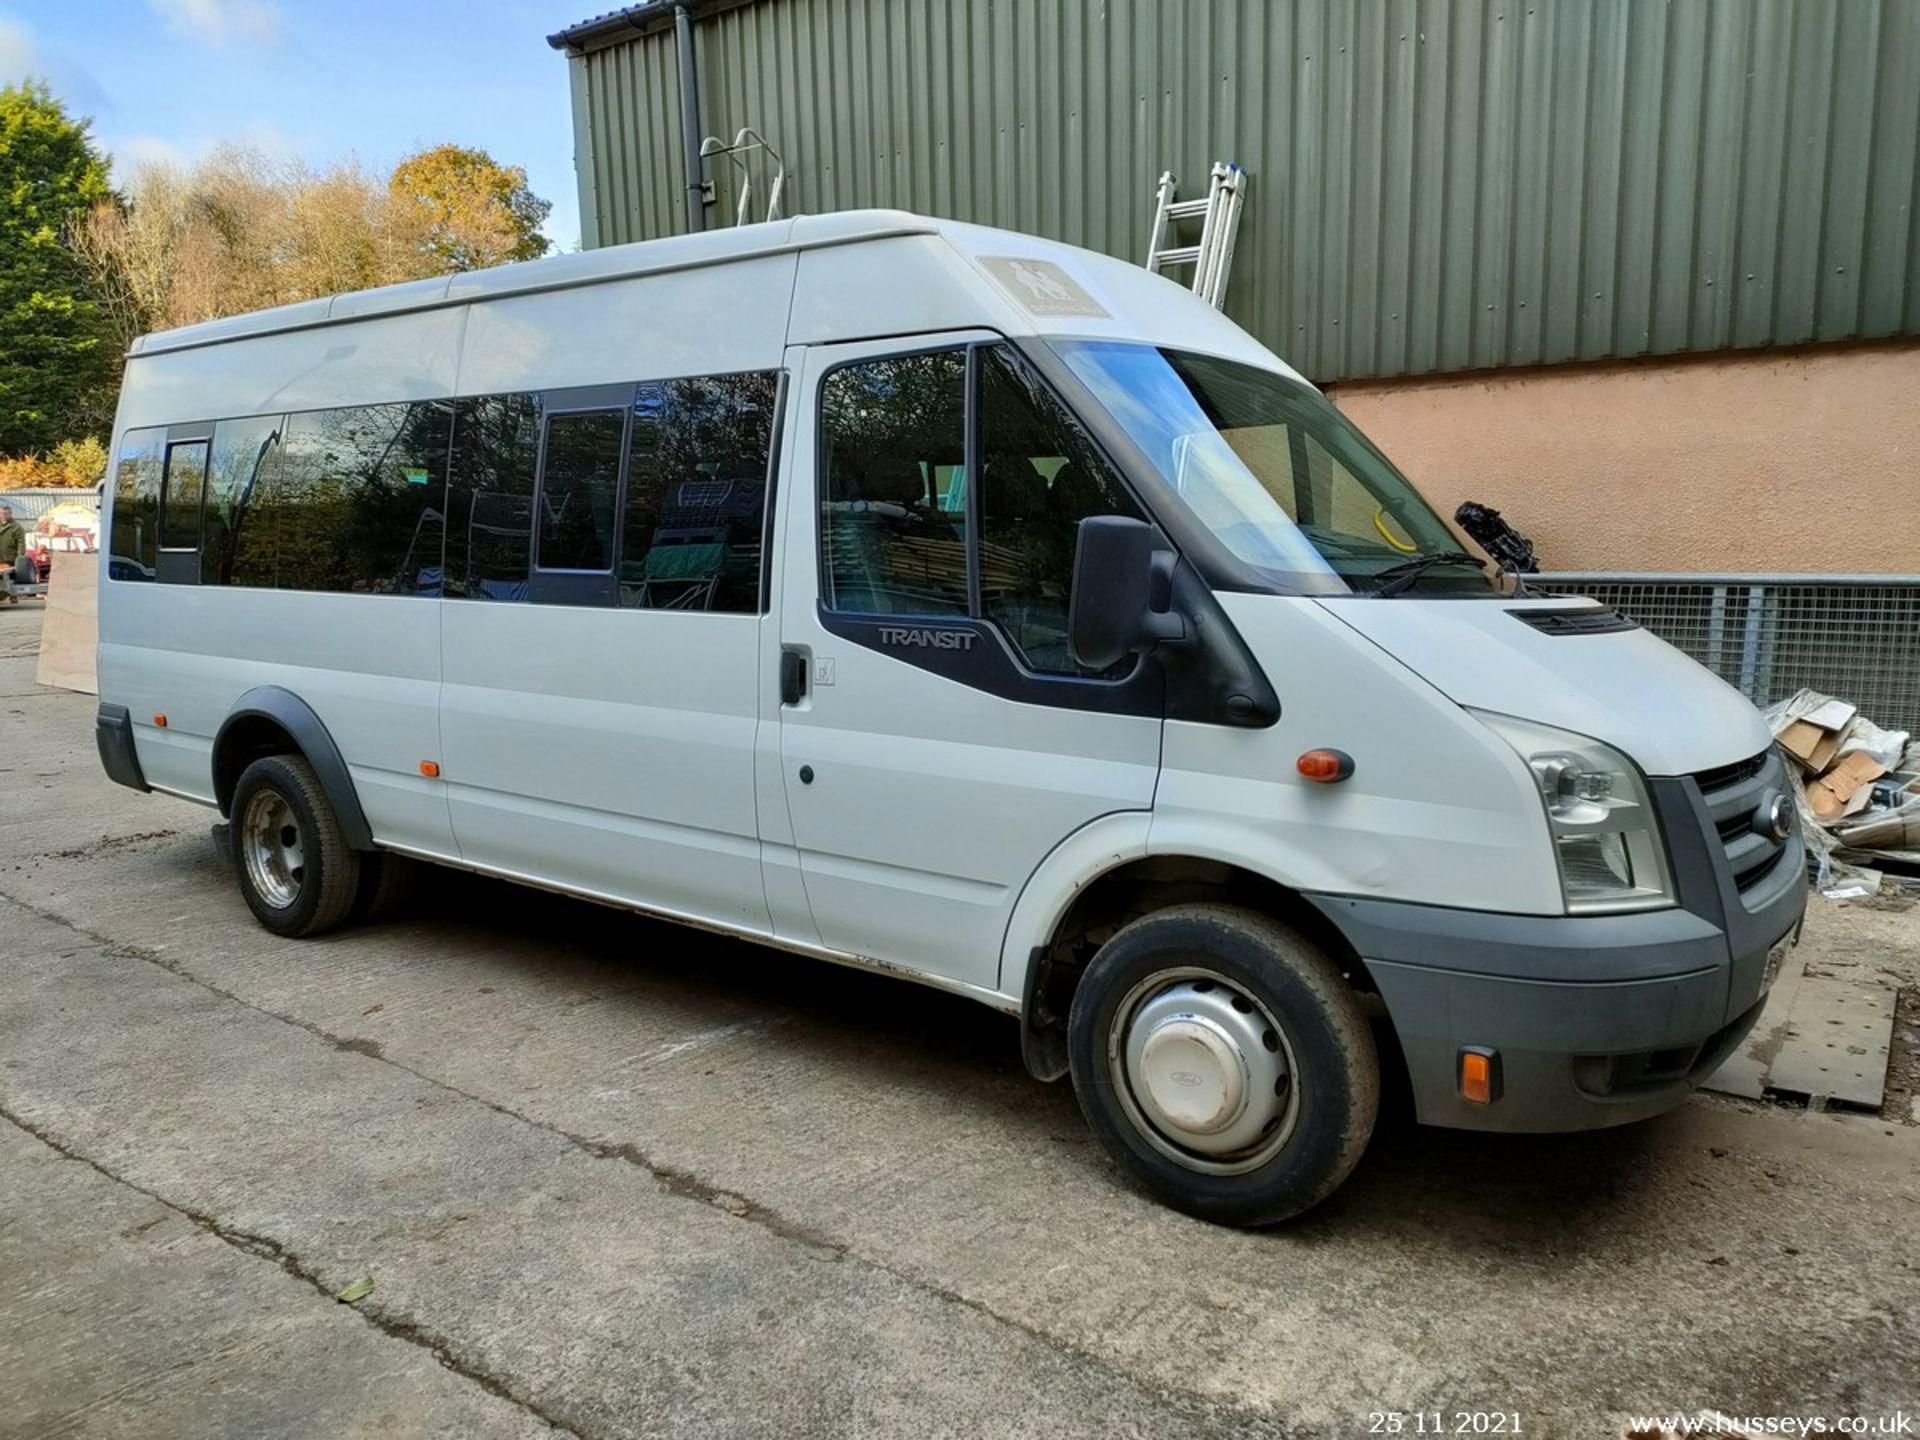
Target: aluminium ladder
(1219, 216)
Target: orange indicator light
(1324, 767)
(159, 722)
(430, 769)
(1479, 1074)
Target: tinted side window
(697, 493)
(238, 540)
(496, 444)
(580, 489)
(1040, 475)
(893, 522)
(136, 505)
(180, 495)
(359, 499)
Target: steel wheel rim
(1204, 1071)
(271, 846)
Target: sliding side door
(605, 593)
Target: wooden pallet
(1821, 1039)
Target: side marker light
(1479, 1074)
(430, 769)
(1324, 767)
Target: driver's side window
(898, 518)
(1040, 476)
(893, 513)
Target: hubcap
(270, 843)
(1205, 1072)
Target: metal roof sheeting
(1437, 185)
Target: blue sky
(314, 80)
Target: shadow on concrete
(1529, 1199)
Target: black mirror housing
(1121, 588)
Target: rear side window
(237, 537)
(893, 506)
(136, 505)
(651, 496)
(697, 493)
(180, 493)
(580, 490)
(496, 450)
(356, 502)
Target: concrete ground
(610, 1177)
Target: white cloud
(132, 153)
(23, 58)
(222, 24)
(19, 55)
(135, 152)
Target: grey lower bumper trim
(1565, 949)
(1598, 1019)
(113, 733)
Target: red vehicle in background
(53, 532)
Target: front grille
(1710, 780)
(1733, 794)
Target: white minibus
(982, 610)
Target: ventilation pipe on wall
(690, 131)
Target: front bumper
(1598, 1019)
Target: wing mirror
(1122, 592)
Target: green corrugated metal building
(1436, 185)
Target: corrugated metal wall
(1437, 185)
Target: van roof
(559, 272)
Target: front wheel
(297, 872)
(1224, 1062)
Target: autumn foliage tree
(85, 270)
(465, 210)
(240, 232)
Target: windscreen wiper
(1396, 578)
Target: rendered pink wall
(1799, 461)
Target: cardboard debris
(1846, 788)
(1824, 711)
(1882, 830)
(1857, 789)
(1811, 745)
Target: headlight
(1605, 836)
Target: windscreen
(1286, 481)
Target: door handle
(793, 677)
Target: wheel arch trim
(1097, 847)
(310, 736)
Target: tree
(232, 233)
(466, 210)
(238, 232)
(57, 363)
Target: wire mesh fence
(1852, 636)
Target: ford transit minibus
(936, 599)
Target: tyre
(387, 882)
(298, 873)
(1224, 1063)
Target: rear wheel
(297, 872)
(1224, 1062)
